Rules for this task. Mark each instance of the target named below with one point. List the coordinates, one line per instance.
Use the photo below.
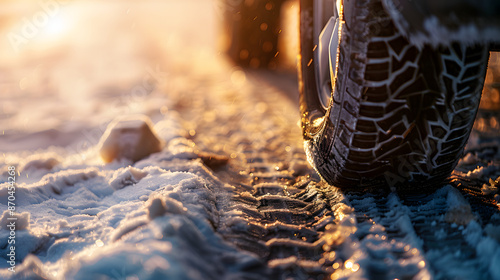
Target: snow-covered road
(230, 196)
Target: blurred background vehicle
(260, 34)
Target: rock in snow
(131, 138)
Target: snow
(22, 223)
(459, 211)
(433, 32)
(159, 210)
(152, 211)
(151, 222)
(488, 189)
(494, 267)
(126, 176)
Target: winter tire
(382, 112)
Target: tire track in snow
(305, 229)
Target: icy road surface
(230, 196)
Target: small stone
(213, 161)
(130, 138)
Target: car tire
(398, 115)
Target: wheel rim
(325, 28)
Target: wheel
(376, 110)
(251, 29)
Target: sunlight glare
(56, 27)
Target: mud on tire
(399, 116)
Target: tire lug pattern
(409, 111)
